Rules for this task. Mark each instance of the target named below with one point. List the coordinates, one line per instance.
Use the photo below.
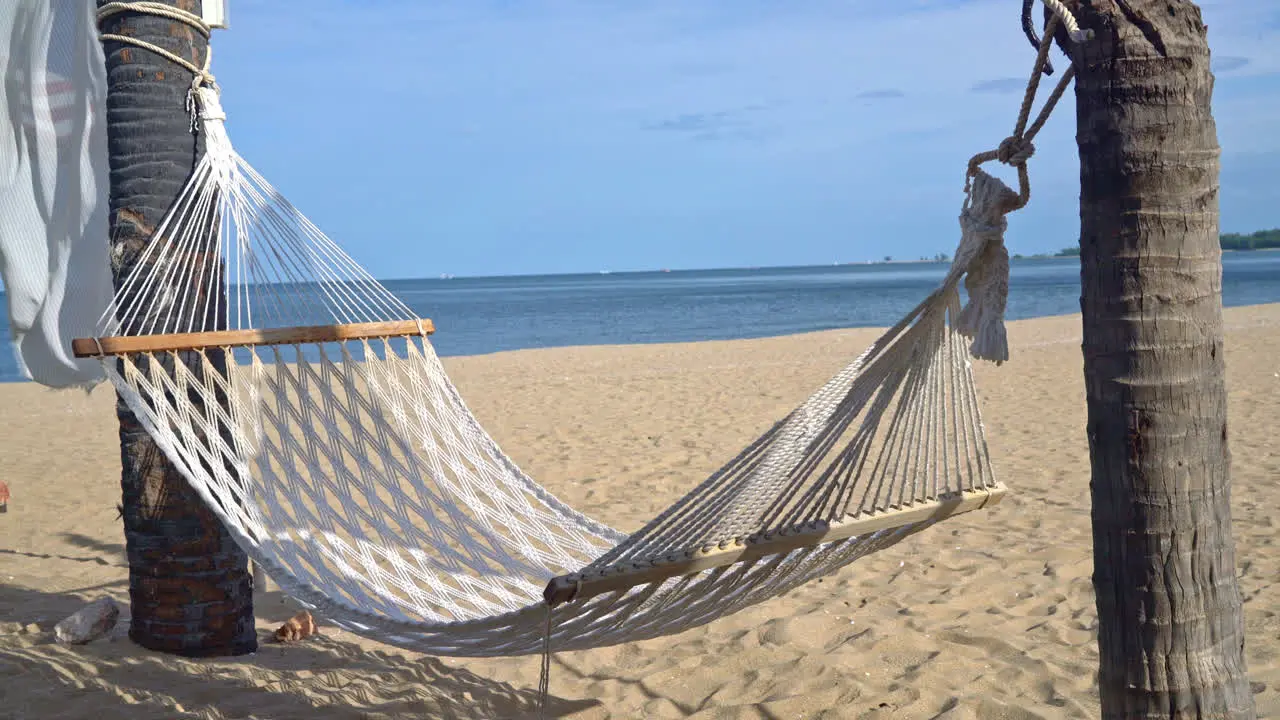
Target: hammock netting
(305, 403)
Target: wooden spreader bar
(126, 345)
(581, 586)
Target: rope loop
(1068, 20)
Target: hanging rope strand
(1029, 29)
(1017, 149)
(982, 257)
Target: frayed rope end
(990, 342)
(985, 261)
(982, 317)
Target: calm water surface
(483, 315)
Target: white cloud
(1245, 29)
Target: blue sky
(487, 137)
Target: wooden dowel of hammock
(127, 345)
(577, 586)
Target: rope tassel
(984, 259)
(982, 318)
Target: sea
(477, 315)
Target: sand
(990, 615)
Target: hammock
(304, 402)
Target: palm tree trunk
(1170, 625)
(189, 586)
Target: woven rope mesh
(354, 472)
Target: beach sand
(990, 615)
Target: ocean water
(484, 315)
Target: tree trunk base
(189, 582)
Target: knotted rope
(982, 254)
(200, 75)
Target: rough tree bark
(189, 586)
(1170, 624)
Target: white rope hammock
(305, 404)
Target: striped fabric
(53, 185)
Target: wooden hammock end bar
(126, 345)
(581, 586)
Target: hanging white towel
(53, 185)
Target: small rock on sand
(88, 623)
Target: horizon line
(592, 273)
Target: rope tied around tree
(201, 77)
(1068, 23)
(982, 255)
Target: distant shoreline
(940, 259)
(738, 268)
(482, 316)
(1268, 240)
